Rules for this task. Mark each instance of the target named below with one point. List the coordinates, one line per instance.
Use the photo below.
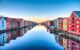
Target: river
(36, 39)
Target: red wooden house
(74, 22)
(8, 26)
(60, 23)
(14, 24)
(72, 45)
(20, 25)
(51, 23)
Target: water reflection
(36, 39)
(12, 34)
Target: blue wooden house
(2, 27)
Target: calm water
(36, 39)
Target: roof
(77, 13)
(3, 17)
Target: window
(77, 46)
(77, 21)
(72, 18)
(77, 26)
(72, 25)
(72, 43)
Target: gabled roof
(1, 17)
(77, 13)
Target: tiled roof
(77, 13)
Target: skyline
(28, 9)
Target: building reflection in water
(12, 35)
(35, 39)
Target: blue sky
(38, 8)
